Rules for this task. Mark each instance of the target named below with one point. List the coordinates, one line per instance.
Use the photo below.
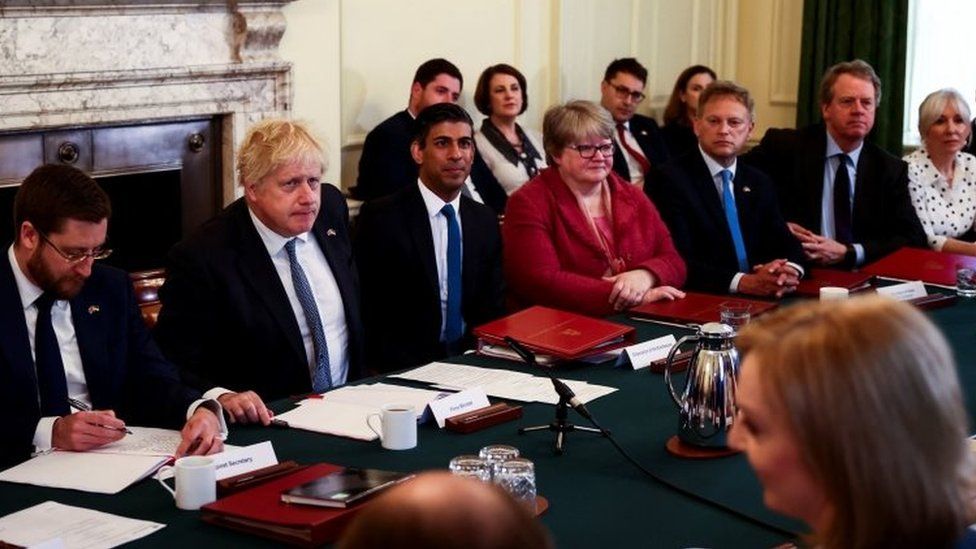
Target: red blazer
(551, 256)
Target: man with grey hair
(846, 199)
(723, 216)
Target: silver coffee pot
(706, 407)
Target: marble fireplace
(148, 96)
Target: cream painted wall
(311, 43)
(354, 59)
(768, 61)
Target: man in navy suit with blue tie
(722, 214)
(429, 257)
(73, 337)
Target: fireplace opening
(163, 179)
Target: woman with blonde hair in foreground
(852, 418)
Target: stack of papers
(106, 470)
(50, 522)
(498, 383)
(343, 412)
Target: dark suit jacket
(226, 319)
(651, 142)
(884, 219)
(386, 165)
(124, 369)
(680, 139)
(971, 147)
(690, 204)
(401, 294)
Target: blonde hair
(869, 389)
(934, 103)
(564, 125)
(274, 142)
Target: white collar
(434, 203)
(273, 241)
(29, 292)
(714, 167)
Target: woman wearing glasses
(851, 415)
(679, 115)
(578, 237)
(510, 151)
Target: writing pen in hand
(81, 406)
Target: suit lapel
(864, 174)
(418, 224)
(812, 175)
(14, 339)
(470, 251)
(255, 267)
(91, 334)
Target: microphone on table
(562, 389)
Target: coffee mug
(832, 293)
(398, 426)
(196, 482)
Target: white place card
(904, 291)
(643, 354)
(458, 403)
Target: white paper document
(331, 417)
(144, 441)
(76, 527)
(499, 383)
(85, 471)
(377, 395)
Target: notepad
(73, 526)
(85, 471)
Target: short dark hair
(428, 71)
(54, 193)
(482, 91)
(435, 114)
(857, 68)
(628, 65)
(676, 112)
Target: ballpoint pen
(81, 406)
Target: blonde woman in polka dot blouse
(942, 178)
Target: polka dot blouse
(943, 210)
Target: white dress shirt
(438, 230)
(74, 372)
(324, 289)
(831, 162)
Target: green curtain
(841, 30)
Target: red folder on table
(928, 266)
(697, 308)
(820, 278)
(260, 511)
(560, 334)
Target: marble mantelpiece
(66, 63)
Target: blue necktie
(51, 383)
(452, 327)
(321, 375)
(732, 218)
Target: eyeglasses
(623, 92)
(587, 152)
(77, 257)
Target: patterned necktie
(452, 326)
(640, 158)
(842, 202)
(732, 218)
(51, 383)
(321, 374)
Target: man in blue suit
(722, 214)
(73, 337)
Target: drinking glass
(495, 454)
(965, 282)
(517, 477)
(735, 314)
(471, 466)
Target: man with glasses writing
(73, 338)
(639, 142)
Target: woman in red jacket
(578, 237)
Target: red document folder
(260, 511)
(561, 334)
(696, 308)
(819, 278)
(928, 266)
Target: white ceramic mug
(833, 293)
(196, 481)
(398, 426)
